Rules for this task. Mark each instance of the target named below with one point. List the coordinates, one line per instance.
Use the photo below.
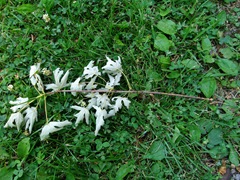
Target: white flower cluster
(103, 105)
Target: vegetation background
(188, 47)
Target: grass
(181, 47)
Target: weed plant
(171, 46)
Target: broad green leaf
(221, 18)
(233, 156)
(215, 137)
(157, 151)
(191, 64)
(23, 148)
(167, 26)
(206, 44)
(218, 152)
(227, 53)
(124, 170)
(164, 12)
(26, 8)
(157, 170)
(153, 75)
(208, 59)
(205, 126)
(173, 75)
(228, 66)
(6, 173)
(195, 133)
(208, 86)
(162, 43)
(164, 61)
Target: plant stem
(45, 107)
(134, 91)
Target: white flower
(35, 78)
(76, 86)
(58, 84)
(91, 84)
(91, 102)
(84, 112)
(16, 119)
(21, 103)
(100, 114)
(103, 101)
(34, 70)
(30, 118)
(39, 82)
(10, 87)
(46, 18)
(113, 67)
(53, 127)
(113, 81)
(91, 71)
(110, 113)
(118, 103)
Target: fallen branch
(134, 91)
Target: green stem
(45, 107)
(128, 83)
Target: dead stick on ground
(133, 91)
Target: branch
(134, 91)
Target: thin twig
(134, 91)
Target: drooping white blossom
(30, 118)
(91, 71)
(103, 101)
(91, 84)
(110, 113)
(20, 103)
(59, 84)
(52, 127)
(112, 67)
(15, 120)
(39, 82)
(76, 86)
(35, 78)
(118, 103)
(113, 81)
(91, 102)
(34, 70)
(100, 114)
(83, 113)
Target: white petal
(118, 102)
(91, 71)
(39, 83)
(91, 84)
(103, 101)
(100, 114)
(64, 79)
(113, 67)
(59, 84)
(76, 86)
(21, 103)
(84, 112)
(16, 119)
(53, 127)
(34, 69)
(30, 118)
